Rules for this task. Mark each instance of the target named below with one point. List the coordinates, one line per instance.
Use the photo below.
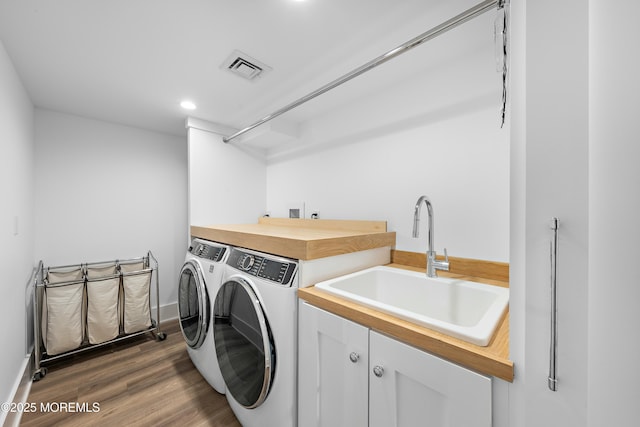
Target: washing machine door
(244, 343)
(193, 305)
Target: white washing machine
(255, 331)
(200, 279)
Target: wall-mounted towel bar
(457, 20)
(553, 350)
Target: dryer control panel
(207, 251)
(279, 270)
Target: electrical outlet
(294, 213)
(296, 209)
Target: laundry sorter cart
(83, 306)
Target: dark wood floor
(137, 382)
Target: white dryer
(255, 332)
(200, 279)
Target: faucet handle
(442, 265)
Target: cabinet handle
(378, 371)
(354, 357)
(553, 347)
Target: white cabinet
(418, 388)
(333, 372)
(391, 384)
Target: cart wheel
(40, 374)
(161, 336)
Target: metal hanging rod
(465, 16)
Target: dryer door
(244, 343)
(193, 305)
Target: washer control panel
(207, 251)
(279, 270)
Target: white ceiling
(133, 61)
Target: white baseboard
(20, 393)
(168, 311)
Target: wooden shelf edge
(327, 224)
(295, 245)
(492, 270)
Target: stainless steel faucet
(432, 263)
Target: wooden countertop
(311, 239)
(491, 360)
(303, 239)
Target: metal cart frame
(150, 264)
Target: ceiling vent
(243, 65)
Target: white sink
(466, 310)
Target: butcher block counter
(304, 239)
(490, 360)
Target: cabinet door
(418, 388)
(332, 370)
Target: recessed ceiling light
(188, 105)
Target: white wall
(574, 155)
(106, 191)
(436, 133)
(226, 185)
(550, 146)
(614, 203)
(16, 224)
